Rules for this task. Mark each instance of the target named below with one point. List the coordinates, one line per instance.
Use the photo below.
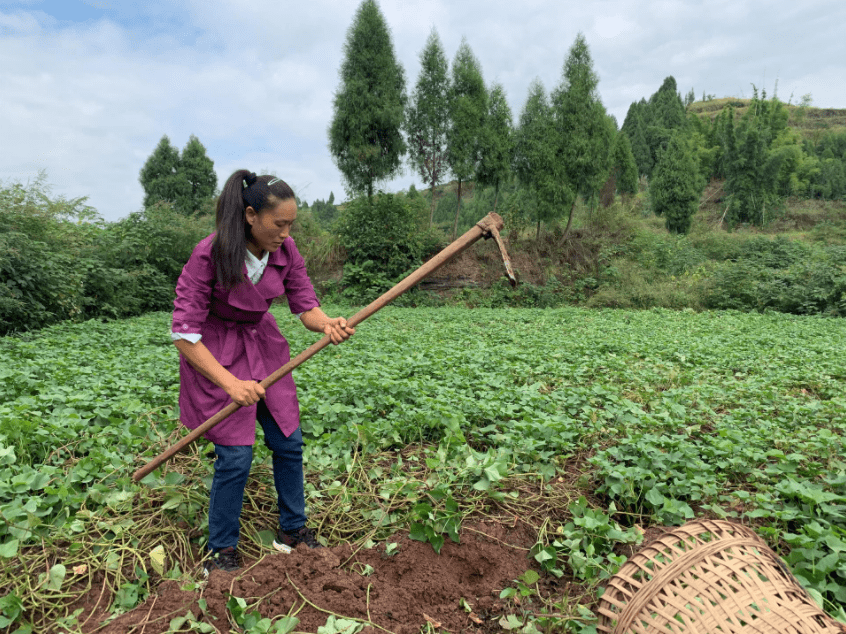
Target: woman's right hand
(244, 393)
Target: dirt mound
(401, 592)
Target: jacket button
(254, 331)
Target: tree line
(60, 261)
(564, 144)
(453, 125)
(759, 156)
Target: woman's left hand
(337, 329)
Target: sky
(89, 87)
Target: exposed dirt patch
(402, 592)
(534, 261)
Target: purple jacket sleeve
(194, 291)
(298, 287)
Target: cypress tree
(673, 188)
(497, 146)
(635, 128)
(161, 178)
(650, 124)
(428, 116)
(198, 170)
(667, 106)
(584, 130)
(535, 162)
(624, 164)
(369, 108)
(467, 113)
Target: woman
(228, 341)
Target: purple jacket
(243, 336)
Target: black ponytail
(242, 189)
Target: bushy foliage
(749, 144)
(650, 124)
(325, 212)
(753, 165)
(789, 278)
(674, 191)
(59, 260)
(382, 241)
(185, 180)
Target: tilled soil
(402, 593)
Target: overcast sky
(88, 87)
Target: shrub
(382, 243)
(634, 289)
(675, 186)
(810, 286)
(59, 260)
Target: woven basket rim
(707, 575)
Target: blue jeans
(231, 469)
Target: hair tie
(250, 179)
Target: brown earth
(403, 593)
(534, 261)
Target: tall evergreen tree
(673, 187)
(467, 119)
(365, 135)
(497, 147)
(535, 162)
(635, 128)
(427, 118)
(689, 99)
(198, 170)
(667, 106)
(666, 115)
(625, 167)
(584, 130)
(161, 177)
(650, 124)
(728, 143)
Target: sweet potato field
(467, 470)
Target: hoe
(487, 227)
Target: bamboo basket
(709, 576)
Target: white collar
(255, 267)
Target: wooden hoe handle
(486, 227)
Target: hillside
(809, 121)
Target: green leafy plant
(431, 525)
(251, 622)
(11, 609)
(525, 586)
(587, 542)
(337, 625)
